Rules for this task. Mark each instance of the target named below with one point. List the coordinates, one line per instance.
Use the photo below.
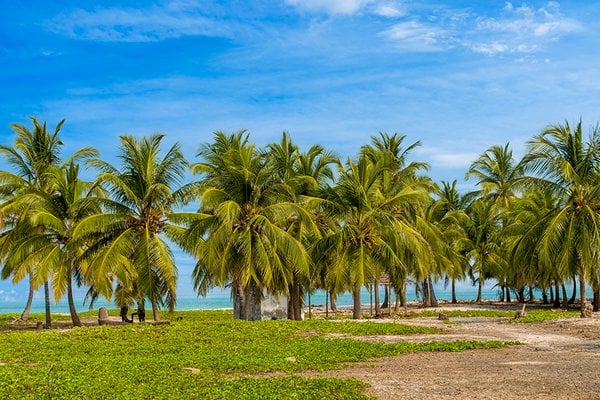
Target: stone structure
(263, 305)
(102, 316)
(586, 311)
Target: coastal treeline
(284, 220)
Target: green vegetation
(281, 220)
(230, 358)
(545, 315)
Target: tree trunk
(582, 294)
(397, 304)
(47, 305)
(502, 293)
(432, 297)
(453, 286)
(298, 303)
(508, 299)
(556, 303)
(596, 301)
(386, 297)
(376, 294)
(574, 294)
(155, 314)
(72, 310)
(356, 309)
(551, 294)
(545, 296)
(426, 299)
(531, 298)
(402, 293)
(565, 302)
(521, 295)
(238, 300)
(479, 289)
(27, 310)
(327, 304)
(246, 309)
(309, 305)
(332, 301)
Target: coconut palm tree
(447, 214)
(560, 160)
(32, 155)
(372, 235)
(126, 242)
(482, 246)
(239, 237)
(48, 249)
(498, 175)
(300, 174)
(398, 174)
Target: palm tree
(239, 237)
(398, 174)
(561, 161)
(48, 249)
(127, 241)
(483, 249)
(499, 177)
(32, 155)
(447, 215)
(372, 235)
(300, 174)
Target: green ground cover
(532, 315)
(232, 359)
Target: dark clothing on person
(124, 311)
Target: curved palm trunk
(27, 310)
(155, 314)
(574, 294)
(479, 289)
(426, 299)
(508, 299)
(556, 303)
(72, 310)
(332, 302)
(432, 297)
(356, 302)
(47, 305)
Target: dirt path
(558, 359)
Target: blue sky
(458, 77)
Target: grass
(234, 359)
(532, 315)
(545, 315)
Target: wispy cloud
(172, 20)
(389, 10)
(512, 29)
(522, 29)
(330, 6)
(417, 36)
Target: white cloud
(389, 10)
(416, 36)
(173, 20)
(330, 6)
(444, 159)
(521, 29)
